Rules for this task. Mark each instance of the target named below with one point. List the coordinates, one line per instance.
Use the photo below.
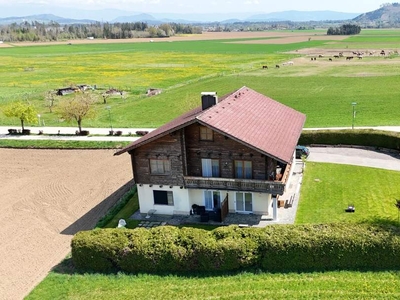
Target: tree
(78, 108)
(49, 98)
(24, 111)
(345, 29)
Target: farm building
(233, 154)
(66, 91)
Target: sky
(204, 6)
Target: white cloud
(252, 2)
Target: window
(244, 202)
(212, 199)
(206, 134)
(163, 198)
(160, 166)
(210, 167)
(243, 169)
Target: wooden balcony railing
(244, 185)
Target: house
(153, 92)
(66, 91)
(233, 154)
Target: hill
(388, 14)
(44, 18)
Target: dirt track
(46, 196)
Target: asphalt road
(356, 156)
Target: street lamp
(109, 116)
(354, 113)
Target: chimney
(208, 99)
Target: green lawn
(245, 285)
(328, 189)
(58, 144)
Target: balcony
(244, 185)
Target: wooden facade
(185, 150)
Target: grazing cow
(265, 67)
(277, 66)
(290, 63)
(383, 52)
(336, 56)
(349, 57)
(320, 55)
(330, 59)
(340, 54)
(360, 57)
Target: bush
(141, 132)
(273, 248)
(368, 137)
(97, 250)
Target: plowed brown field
(46, 196)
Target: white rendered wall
(185, 198)
(146, 200)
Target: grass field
(246, 285)
(328, 189)
(323, 90)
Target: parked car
(302, 151)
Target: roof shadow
(89, 220)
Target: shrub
(273, 248)
(97, 250)
(368, 137)
(141, 132)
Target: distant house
(113, 91)
(83, 87)
(65, 91)
(153, 92)
(233, 154)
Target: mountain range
(387, 13)
(45, 14)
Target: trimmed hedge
(359, 137)
(273, 248)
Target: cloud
(252, 2)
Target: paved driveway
(355, 156)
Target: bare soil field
(46, 197)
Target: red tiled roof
(257, 121)
(246, 116)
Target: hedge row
(273, 248)
(365, 137)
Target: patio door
(244, 202)
(212, 199)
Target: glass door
(244, 202)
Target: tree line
(52, 31)
(345, 29)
